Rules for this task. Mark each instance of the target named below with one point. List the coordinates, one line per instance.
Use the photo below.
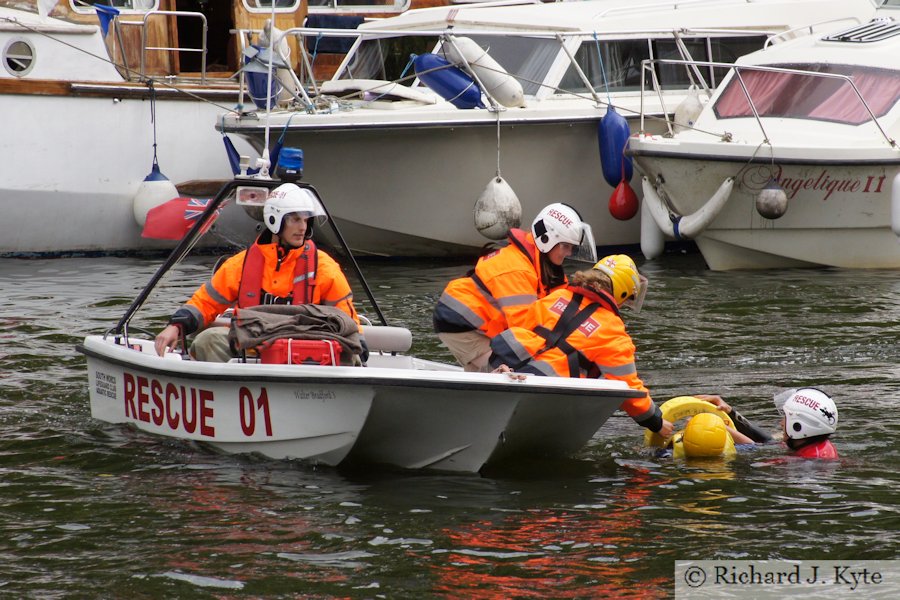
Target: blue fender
(449, 82)
(612, 134)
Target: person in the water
(809, 418)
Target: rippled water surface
(94, 510)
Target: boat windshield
(386, 58)
(617, 64)
(806, 96)
(528, 59)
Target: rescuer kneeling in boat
(283, 266)
(498, 292)
(809, 418)
(577, 331)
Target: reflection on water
(94, 510)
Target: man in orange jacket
(504, 283)
(283, 266)
(577, 331)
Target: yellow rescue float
(705, 434)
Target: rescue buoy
(653, 241)
(895, 205)
(497, 210)
(612, 135)
(154, 190)
(449, 82)
(505, 88)
(771, 202)
(623, 203)
(687, 112)
(682, 407)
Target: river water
(91, 510)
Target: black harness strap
(570, 320)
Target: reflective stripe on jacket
(594, 344)
(279, 276)
(499, 292)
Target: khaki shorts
(471, 348)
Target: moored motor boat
(794, 162)
(398, 410)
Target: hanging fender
(692, 225)
(155, 189)
(498, 82)
(612, 136)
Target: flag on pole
(173, 219)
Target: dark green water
(89, 510)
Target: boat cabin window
(806, 96)
(258, 6)
(357, 6)
(386, 58)
(87, 6)
(527, 59)
(621, 59)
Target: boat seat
(384, 338)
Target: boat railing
(303, 79)
(145, 49)
(649, 66)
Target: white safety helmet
(560, 222)
(808, 412)
(290, 198)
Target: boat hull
(408, 189)
(235, 412)
(838, 212)
(74, 193)
(399, 411)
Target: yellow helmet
(629, 286)
(705, 435)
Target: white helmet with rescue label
(808, 412)
(560, 222)
(290, 198)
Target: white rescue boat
(397, 410)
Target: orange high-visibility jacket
(277, 278)
(589, 340)
(498, 293)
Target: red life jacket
(251, 292)
(820, 449)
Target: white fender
(154, 190)
(688, 226)
(687, 112)
(653, 241)
(895, 205)
(497, 210)
(505, 88)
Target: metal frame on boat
(398, 410)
